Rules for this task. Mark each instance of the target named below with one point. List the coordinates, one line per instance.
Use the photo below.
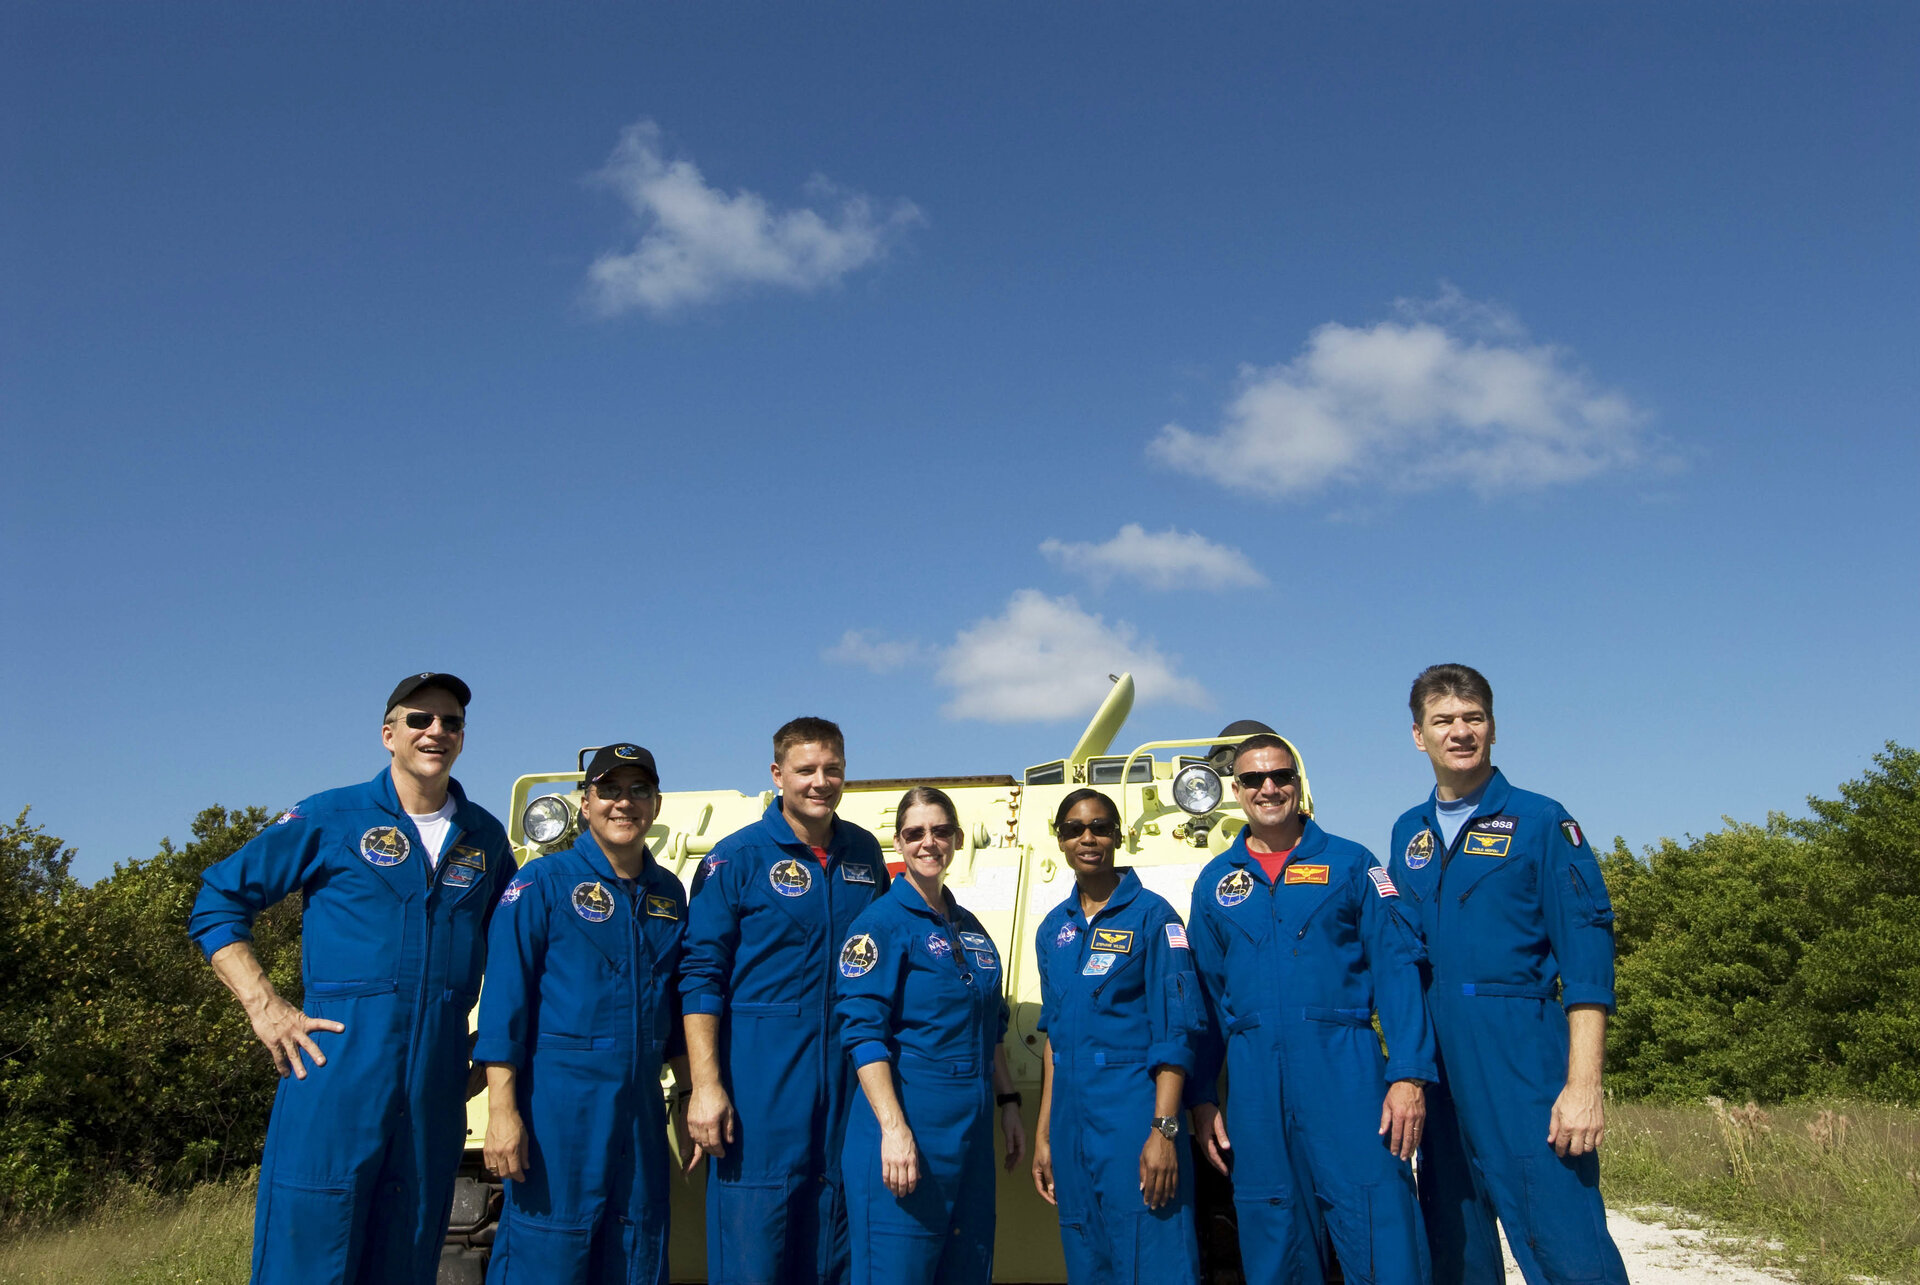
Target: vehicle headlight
(546, 818)
(1197, 789)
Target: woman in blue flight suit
(922, 1015)
(580, 1009)
(1118, 987)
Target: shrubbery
(121, 1056)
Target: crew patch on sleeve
(1571, 829)
(858, 956)
(1177, 937)
(1382, 882)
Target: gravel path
(1657, 1254)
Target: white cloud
(1451, 394)
(1044, 658)
(698, 242)
(1167, 560)
(870, 651)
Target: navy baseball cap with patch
(446, 682)
(622, 754)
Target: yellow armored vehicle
(1007, 869)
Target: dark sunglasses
(1252, 781)
(1103, 829)
(915, 833)
(419, 720)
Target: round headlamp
(1197, 789)
(546, 818)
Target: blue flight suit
(764, 931)
(583, 1001)
(1518, 928)
(1118, 1000)
(357, 1177)
(1294, 975)
(923, 992)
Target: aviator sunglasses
(1106, 828)
(419, 720)
(915, 833)
(1279, 776)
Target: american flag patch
(1382, 882)
(1177, 937)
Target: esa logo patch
(856, 874)
(1304, 874)
(662, 907)
(384, 845)
(938, 946)
(1495, 825)
(1571, 829)
(592, 902)
(1098, 964)
(858, 956)
(471, 858)
(1419, 850)
(1233, 888)
(789, 878)
(512, 894)
(1486, 845)
(1067, 935)
(460, 876)
(1118, 941)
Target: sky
(669, 371)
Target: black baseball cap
(1239, 727)
(446, 682)
(622, 754)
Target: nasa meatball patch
(1233, 889)
(1419, 850)
(512, 894)
(1067, 935)
(938, 946)
(384, 846)
(790, 878)
(858, 956)
(592, 902)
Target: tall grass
(1829, 1191)
(135, 1237)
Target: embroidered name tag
(1486, 845)
(856, 874)
(662, 907)
(1117, 940)
(472, 858)
(1305, 874)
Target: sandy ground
(1660, 1255)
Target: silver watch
(1167, 1126)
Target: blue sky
(667, 372)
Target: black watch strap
(1005, 1099)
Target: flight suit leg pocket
(534, 1249)
(307, 1234)
(752, 1226)
(1351, 1222)
(1565, 1219)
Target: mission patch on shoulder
(384, 845)
(1304, 874)
(858, 956)
(592, 902)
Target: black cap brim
(445, 682)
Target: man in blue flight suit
(582, 1006)
(1299, 943)
(400, 877)
(1519, 936)
(770, 906)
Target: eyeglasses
(639, 792)
(915, 833)
(1103, 829)
(419, 720)
(1253, 781)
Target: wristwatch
(1167, 1126)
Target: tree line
(1772, 962)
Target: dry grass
(138, 1238)
(1830, 1191)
